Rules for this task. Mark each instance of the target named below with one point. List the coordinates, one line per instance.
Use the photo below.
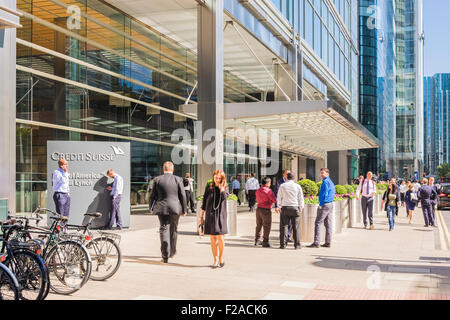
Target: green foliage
(382, 186)
(355, 187)
(313, 201)
(199, 198)
(309, 187)
(340, 190)
(232, 197)
(349, 188)
(338, 198)
(319, 184)
(443, 170)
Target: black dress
(215, 206)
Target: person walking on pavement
(391, 200)
(250, 190)
(325, 210)
(214, 215)
(61, 195)
(236, 187)
(265, 199)
(411, 200)
(116, 195)
(290, 200)
(403, 188)
(188, 184)
(367, 190)
(277, 187)
(426, 196)
(434, 201)
(168, 201)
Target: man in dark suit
(168, 201)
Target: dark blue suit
(426, 195)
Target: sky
(436, 21)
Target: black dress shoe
(221, 265)
(165, 260)
(313, 246)
(297, 247)
(282, 247)
(266, 245)
(326, 245)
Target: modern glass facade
(89, 72)
(391, 99)
(436, 125)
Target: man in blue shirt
(236, 186)
(325, 210)
(61, 195)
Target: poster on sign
(89, 185)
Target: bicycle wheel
(8, 284)
(69, 265)
(106, 258)
(29, 270)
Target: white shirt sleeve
(301, 201)
(280, 196)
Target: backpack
(186, 182)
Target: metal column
(210, 67)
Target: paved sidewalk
(361, 264)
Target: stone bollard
(307, 219)
(232, 217)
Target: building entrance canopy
(311, 128)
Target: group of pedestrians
(406, 194)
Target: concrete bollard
(307, 219)
(232, 217)
(337, 217)
(353, 213)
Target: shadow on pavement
(440, 273)
(144, 260)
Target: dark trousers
(263, 220)
(115, 212)
(62, 203)
(289, 215)
(190, 199)
(427, 213)
(367, 208)
(168, 234)
(236, 192)
(251, 199)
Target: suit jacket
(168, 195)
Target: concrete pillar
(8, 103)
(320, 163)
(210, 89)
(338, 165)
(302, 167)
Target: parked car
(444, 196)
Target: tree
(443, 170)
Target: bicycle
(28, 267)
(9, 286)
(68, 261)
(104, 249)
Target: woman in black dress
(214, 214)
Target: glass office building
(391, 99)
(436, 125)
(116, 71)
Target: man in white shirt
(251, 187)
(290, 200)
(116, 194)
(367, 189)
